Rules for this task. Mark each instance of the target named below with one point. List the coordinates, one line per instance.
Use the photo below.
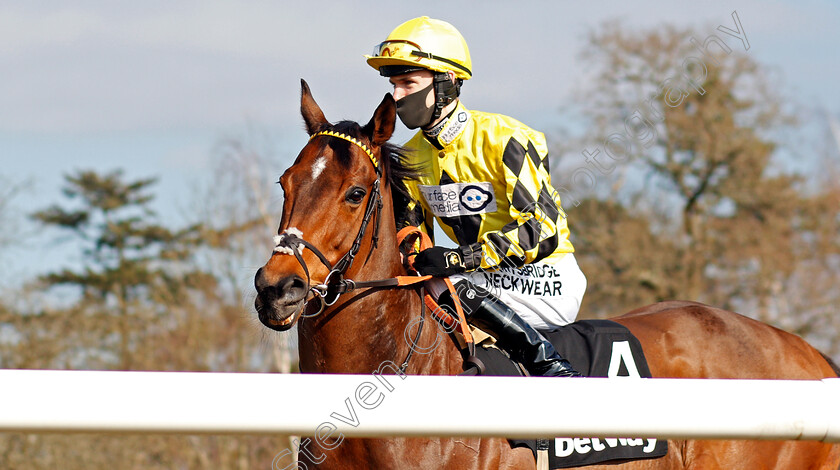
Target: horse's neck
(374, 330)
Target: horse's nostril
(288, 285)
(289, 289)
(259, 280)
(292, 286)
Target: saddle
(596, 348)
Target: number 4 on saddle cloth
(596, 348)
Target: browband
(352, 140)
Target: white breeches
(545, 295)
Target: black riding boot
(513, 334)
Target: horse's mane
(394, 159)
(833, 364)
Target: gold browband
(352, 141)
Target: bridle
(335, 283)
(290, 241)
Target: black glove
(439, 261)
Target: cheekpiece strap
(352, 140)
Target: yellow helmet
(422, 43)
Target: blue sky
(150, 87)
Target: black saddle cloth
(595, 348)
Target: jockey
(486, 181)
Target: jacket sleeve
(538, 224)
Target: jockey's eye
(355, 195)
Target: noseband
(291, 241)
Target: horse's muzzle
(279, 305)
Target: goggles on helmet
(407, 50)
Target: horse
(337, 240)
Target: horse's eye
(355, 195)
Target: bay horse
(337, 225)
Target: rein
(291, 241)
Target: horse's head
(330, 212)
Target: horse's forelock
(340, 147)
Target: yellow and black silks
(486, 180)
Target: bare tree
(9, 221)
(241, 209)
(174, 319)
(700, 207)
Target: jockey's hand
(440, 261)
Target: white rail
(388, 405)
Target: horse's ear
(381, 126)
(312, 114)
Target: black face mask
(413, 111)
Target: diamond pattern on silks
(535, 207)
(535, 157)
(521, 198)
(502, 247)
(595, 348)
(491, 186)
(553, 211)
(514, 156)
